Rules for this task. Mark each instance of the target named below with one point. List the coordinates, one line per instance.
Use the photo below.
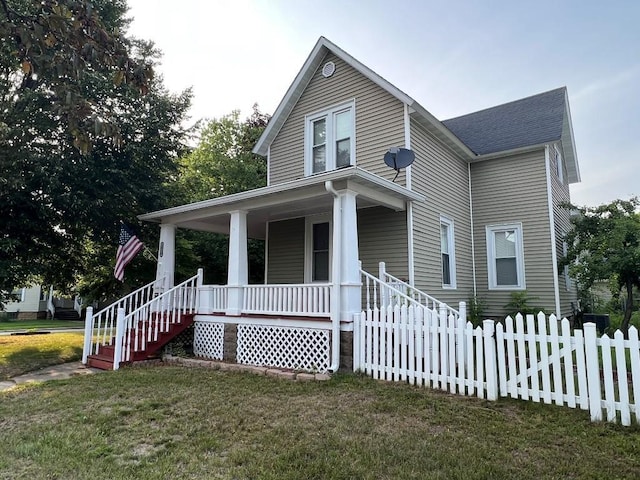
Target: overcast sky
(453, 57)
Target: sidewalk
(56, 372)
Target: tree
(88, 137)
(51, 47)
(221, 164)
(604, 244)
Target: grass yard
(38, 324)
(175, 422)
(25, 353)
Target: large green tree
(87, 137)
(604, 244)
(221, 164)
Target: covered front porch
(300, 320)
(318, 276)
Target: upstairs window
(447, 252)
(329, 139)
(505, 257)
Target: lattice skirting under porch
(303, 349)
(208, 340)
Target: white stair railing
(411, 292)
(100, 329)
(134, 330)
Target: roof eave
(354, 173)
(569, 145)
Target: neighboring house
(36, 301)
(30, 303)
(478, 212)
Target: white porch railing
(147, 322)
(408, 293)
(100, 328)
(309, 300)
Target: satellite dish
(398, 158)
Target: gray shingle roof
(530, 121)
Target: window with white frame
(330, 139)
(447, 251)
(318, 249)
(559, 166)
(505, 257)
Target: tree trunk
(628, 309)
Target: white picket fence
(533, 358)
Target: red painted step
(104, 359)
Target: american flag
(128, 247)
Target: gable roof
(531, 121)
(315, 58)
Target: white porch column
(238, 274)
(167, 255)
(350, 281)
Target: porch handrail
(100, 328)
(145, 324)
(416, 295)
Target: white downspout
(335, 277)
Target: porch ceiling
(298, 198)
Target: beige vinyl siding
(513, 190)
(379, 123)
(561, 216)
(285, 256)
(382, 237)
(443, 178)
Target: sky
(453, 57)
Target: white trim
(552, 231)
(411, 264)
(410, 250)
(491, 260)
(269, 165)
(473, 243)
(407, 143)
(329, 115)
(309, 221)
(266, 253)
(451, 241)
(559, 163)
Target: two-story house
(476, 214)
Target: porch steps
(104, 359)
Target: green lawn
(24, 353)
(175, 422)
(39, 324)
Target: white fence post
(357, 342)
(462, 310)
(88, 335)
(117, 354)
(490, 359)
(593, 371)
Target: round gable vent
(328, 69)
